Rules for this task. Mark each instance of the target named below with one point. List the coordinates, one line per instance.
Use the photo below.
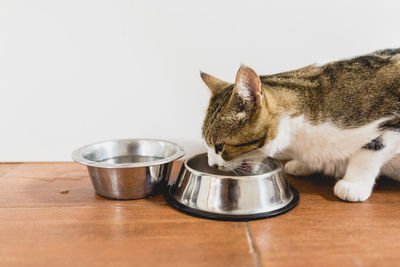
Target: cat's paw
(351, 191)
(296, 168)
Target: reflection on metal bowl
(130, 168)
(208, 192)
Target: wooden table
(50, 216)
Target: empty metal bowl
(207, 192)
(128, 169)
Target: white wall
(75, 72)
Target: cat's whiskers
(257, 163)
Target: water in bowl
(254, 167)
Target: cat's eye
(218, 148)
(248, 143)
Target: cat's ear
(213, 83)
(248, 84)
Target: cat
(341, 119)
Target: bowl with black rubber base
(207, 192)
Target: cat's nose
(211, 162)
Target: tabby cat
(341, 119)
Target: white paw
(296, 168)
(351, 191)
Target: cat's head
(238, 119)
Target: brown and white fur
(341, 119)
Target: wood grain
(324, 231)
(41, 226)
(50, 216)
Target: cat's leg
(336, 168)
(392, 168)
(362, 170)
(366, 164)
(298, 168)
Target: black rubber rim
(225, 217)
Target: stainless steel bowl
(128, 169)
(208, 192)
